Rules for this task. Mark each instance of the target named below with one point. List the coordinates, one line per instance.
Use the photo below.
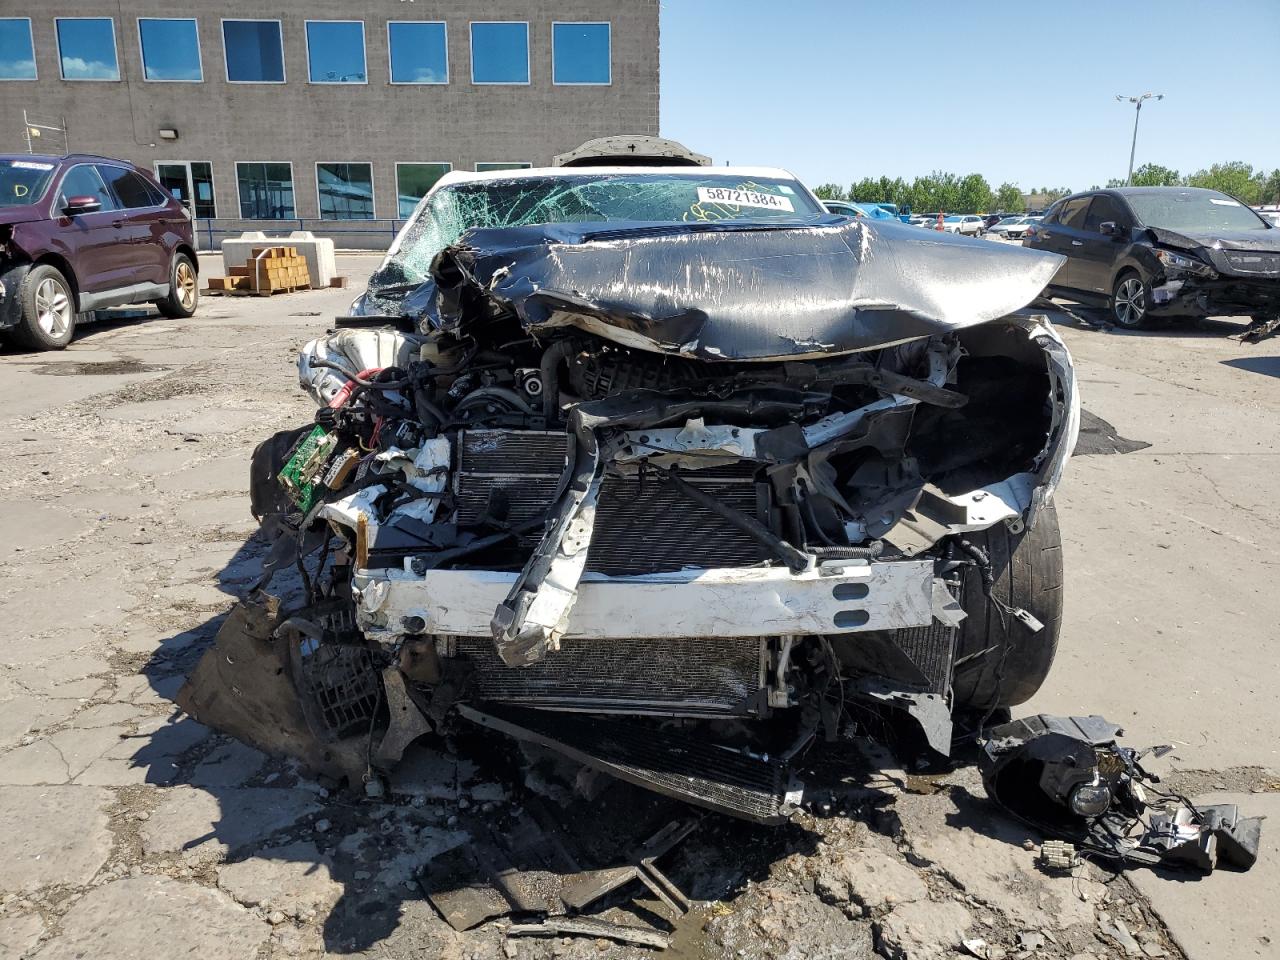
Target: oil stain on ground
(98, 368)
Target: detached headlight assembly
(1178, 263)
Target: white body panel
(842, 597)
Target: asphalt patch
(1097, 437)
(98, 368)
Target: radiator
(697, 677)
(641, 526)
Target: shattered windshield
(1194, 212)
(23, 182)
(646, 197)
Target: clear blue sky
(835, 91)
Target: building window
(17, 53)
(345, 191)
(413, 181)
(335, 51)
(87, 48)
(500, 52)
(580, 53)
(518, 165)
(170, 50)
(191, 184)
(419, 52)
(266, 191)
(254, 51)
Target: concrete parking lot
(126, 537)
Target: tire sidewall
(1003, 662)
(172, 306)
(29, 332)
(1146, 300)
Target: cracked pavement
(125, 536)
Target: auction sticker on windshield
(744, 198)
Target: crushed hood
(1262, 240)
(1253, 254)
(736, 291)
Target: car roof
(63, 157)
(1141, 191)
(533, 173)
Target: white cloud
(17, 69)
(77, 68)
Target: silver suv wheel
(1130, 302)
(54, 312)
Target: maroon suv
(79, 233)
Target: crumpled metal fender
(11, 277)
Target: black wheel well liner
(190, 253)
(63, 266)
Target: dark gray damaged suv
(1152, 252)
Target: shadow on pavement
(285, 842)
(1098, 320)
(1267, 366)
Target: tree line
(973, 194)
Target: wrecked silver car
(672, 471)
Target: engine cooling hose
(549, 370)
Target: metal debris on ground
(1057, 855)
(591, 927)
(537, 866)
(1070, 779)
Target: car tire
(48, 303)
(184, 289)
(1000, 662)
(1130, 301)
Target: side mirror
(75, 205)
(1110, 228)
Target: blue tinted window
(482, 167)
(335, 51)
(87, 48)
(253, 49)
(17, 55)
(419, 53)
(580, 53)
(266, 191)
(499, 53)
(346, 191)
(170, 50)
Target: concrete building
(343, 111)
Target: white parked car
(1013, 228)
(562, 487)
(966, 224)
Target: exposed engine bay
(675, 500)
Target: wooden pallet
(211, 292)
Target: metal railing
(375, 234)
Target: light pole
(1137, 113)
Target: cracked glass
(639, 197)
